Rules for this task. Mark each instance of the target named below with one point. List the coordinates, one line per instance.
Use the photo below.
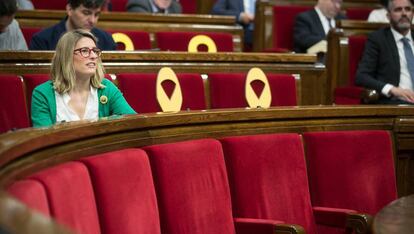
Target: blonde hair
(63, 72)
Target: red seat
(32, 193)
(71, 196)
(28, 33)
(189, 6)
(31, 81)
(139, 90)
(351, 169)
(355, 13)
(193, 192)
(268, 179)
(51, 5)
(13, 111)
(124, 191)
(140, 40)
(283, 22)
(223, 41)
(227, 90)
(351, 94)
(119, 5)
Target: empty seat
(13, 111)
(223, 41)
(351, 169)
(139, 90)
(227, 90)
(349, 93)
(124, 191)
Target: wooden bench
(145, 22)
(28, 151)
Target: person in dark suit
(81, 14)
(311, 27)
(243, 10)
(154, 6)
(387, 64)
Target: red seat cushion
(351, 169)
(227, 90)
(70, 196)
(13, 111)
(223, 41)
(52, 5)
(355, 13)
(189, 6)
(32, 193)
(140, 40)
(119, 5)
(192, 187)
(28, 33)
(139, 90)
(262, 170)
(283, 22)
(124, 191)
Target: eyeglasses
(86, 52)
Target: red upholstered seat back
(28, 33)
(351, 169)
(13, 112)
(268, 179)
(32, 193)
(355, 13)
(124, 192)
(31, 81)
(189, 6)
(191, 183)
(70, 196)
(283, 22)
(139, 90)
(227, 90)
(119, 5)
(140, 40)
(356, 45)
(52, 5)
(178, 41)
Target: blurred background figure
(154, 6)
(25, 5)
(379, 15)
(11, 37)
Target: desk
(396, 217)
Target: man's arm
(303, 37)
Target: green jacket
(44, 103)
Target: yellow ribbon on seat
(124, 39)
(167, 104)
(202, 40)
(265, 98)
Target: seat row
(216, 90)
(239, 184)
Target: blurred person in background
(11, 37)
(154, 6)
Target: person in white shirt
(11, 37)
(387, 64)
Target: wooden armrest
(359, 223)
(369, 96)
(264, 226)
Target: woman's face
(85, 57)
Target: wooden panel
(312, 77)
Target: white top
(379, 16)
(405, 79)
(65, 114)
(324, 20)
(249, 6)
(12, 38)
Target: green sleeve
(117, 103)
(41, 111)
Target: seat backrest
(13, 111)
(140, 40)
(28, 33)
(70, 196)
(119, 5)
(283, 23)
(189, 6)
(124, 192)
(356, 45)
(52, 5)
(192, 188)
(358, 13)
(31, 81)
(268, 178)
(223, 41)
(351, 169)
(227, 90)
(139, 90)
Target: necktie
(329, 22)
(409, 56)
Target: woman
(77, 89)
